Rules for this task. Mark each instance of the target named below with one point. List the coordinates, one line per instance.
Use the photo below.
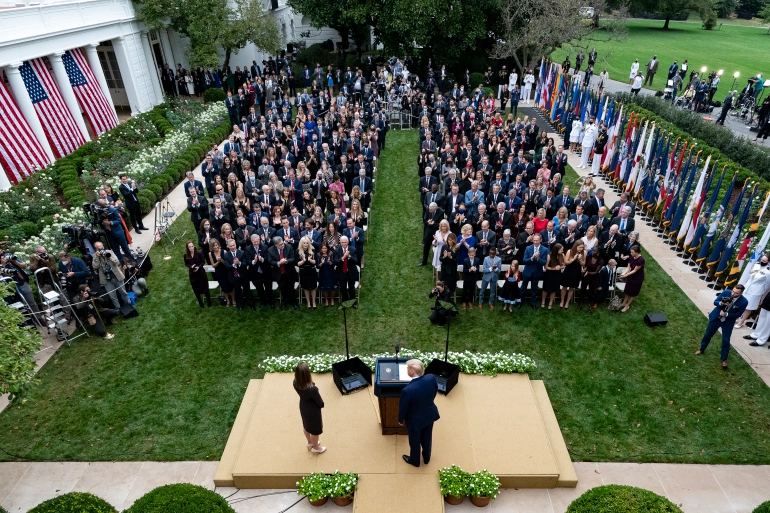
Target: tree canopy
(213, 24)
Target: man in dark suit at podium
(418, 412)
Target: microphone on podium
(398, 348)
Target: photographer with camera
(73, 272)
(729, 306)
(12, 267)
(439, 314)
(110, 219)
(93, 309)
(111, 277)
(134, 277)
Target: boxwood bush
(214, 95)
(621, 499)
(763, 508)
(476, 79)
(180, 498)
(74, 502)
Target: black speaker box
(655, 319)
(351, 375)
(128, 311)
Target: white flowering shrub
(469, 362)
(52, 237)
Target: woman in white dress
(590, 238)
(439, 238)
(634, 70)
(188, 80)
(758, 284)
(575, 135)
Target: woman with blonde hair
(356, 213)
(308, 274)
(561, 218)
(439, 239)
(448, 258)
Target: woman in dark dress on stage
(634, 277)
(200, 283)
(327, 282)
(310, 404)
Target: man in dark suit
(129, 192)
(624, 221)
(281, 258)
(550, 235)
(288, 234)
(198, 207)
(243, 233)
(209, 169)
(565, 200)
(560, 161)
(238, 274)
(430, 221)
(453, 201)
(315, 235)
(569, 234)
(609, 243)
(601, 222)
(259, 270)
(485, 239)
(265, 231)
(606, 278)
(365, 184)
(535, 257)
(729, 306)
(192, 182)
(426, 184)
(417, 411)
(594, 204)
(500, 219)
(355, 237)
(624, 201)
(345, 262)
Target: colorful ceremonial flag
(59, 126)
(713, 224)
(756, 254)
(690, 223)
(644, 161)
(20, 151)
(670, 159)
(743, 251)
(702, 212)
(675, 185)
(688, 175)
(719, 246)
(728, 254)
(95, 105)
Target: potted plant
(315, 487)
(484, 487)
(342, 486)
(454, 483)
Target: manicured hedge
(74, 502)
(214, 95)
(621, 499)
(181, 498)
(763, 508)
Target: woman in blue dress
(330, 81)
(465, 242)
(326, 279)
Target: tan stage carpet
(503, 424)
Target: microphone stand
(344, 307)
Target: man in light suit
(417, 411)
(474, 198)
(535, 257)
(729, 306)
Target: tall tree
(529, 29)
(211, 25)
(667, 8)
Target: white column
(168, 52)
(5, 183)
(21, 96)
(96, 67)
(127, 72)
(65, 88)
(154, 73)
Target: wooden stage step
(224, 473)
(567, 475)
(397, 493)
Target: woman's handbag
(615, 304)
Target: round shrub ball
(181, 498)
(763, 508)
(621, 499)
(74, 502)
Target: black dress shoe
(748, 337)
(136, 231)
(295, 307)
(533, 306)
(421, 265)
(406, 459)
(755, 344)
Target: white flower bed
(469, 362)
(52, 237)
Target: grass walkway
(170, 383)
(733, 48)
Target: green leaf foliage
(180, 498)
(74, 502)
(214, 95)
(17, 352)
(621, 499)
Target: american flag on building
(59, 126)
(95, 105)
(20, 151)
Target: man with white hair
(417, 411)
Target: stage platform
(504, 424)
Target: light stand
(447, 374)
(351, 374)
(735, 79)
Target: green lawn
(732, 49)
(169, 385)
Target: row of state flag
(21, 153)
(668, 177)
